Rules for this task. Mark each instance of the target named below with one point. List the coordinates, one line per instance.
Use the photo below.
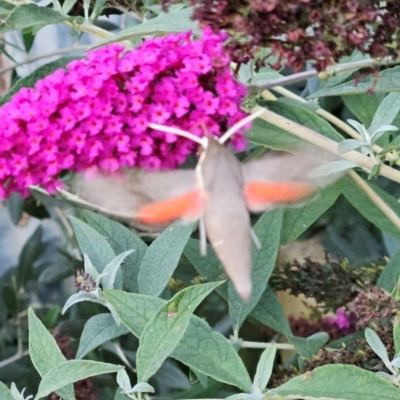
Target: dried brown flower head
(300, 30)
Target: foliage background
(41, 246)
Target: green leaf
(344, 382)
(15, 207)
(92, 243)
(72, 371)
(269, 312)
(297, 219)
(61, 268)
(123, 380)
(396, 335)
(82, 296)
(29, 254)
(363, 106)
(264, 367)
(376, 345)
(386, 112)
(119, 395)
(308, 347)
(207, 266)
(97, 9)
(111, 269)
(135, 310)
(51, 317)
(120, 239)
(368, 209)
(177, 21)
(5, 393)
(330, 168)
(67, 5)
(166, 328)
(267, 229)
(162, 258)
(350, 144)
(143, 387)
(10, 297)
(6, 6)
(98, 330)
(389, 81)
(201, 348)
(197, 376)
(31, 79)
(45, 353)
(267, 134)
(210, 353)
(391, 274)
(31, 16)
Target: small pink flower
(180, 105)
(208, 103)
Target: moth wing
(146, 200)
(281, 178)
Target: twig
(331, 118)
(376, 199)
(327, 144)
(122, 355)
(263, 345)
(302, 76)
(179, 132)
(14, 358)
(133, 14)
(48, 55)
(99, 32)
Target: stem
(96, 31)
(239, 125)
(33, 59)
(15, 357)
(122, 355)
(326, 144)
(133, 14)
(262, 345)
(335, 69)
(332, 119)
(178, 132)
(376, 199)
(92, 29)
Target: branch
(330, 118)
(376, 199)
(15, 357)
(47, 55)
(327, 144)
(330, 72)
(263, 345)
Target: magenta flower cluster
(342, 320)
(95, 113)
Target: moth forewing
(280, 178)
(127, 192)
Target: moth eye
(223, 276)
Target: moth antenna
(239, 125)
(178, 132)
(203, 238)
(255, 239)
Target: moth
(219, 193)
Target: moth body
(226, 217)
